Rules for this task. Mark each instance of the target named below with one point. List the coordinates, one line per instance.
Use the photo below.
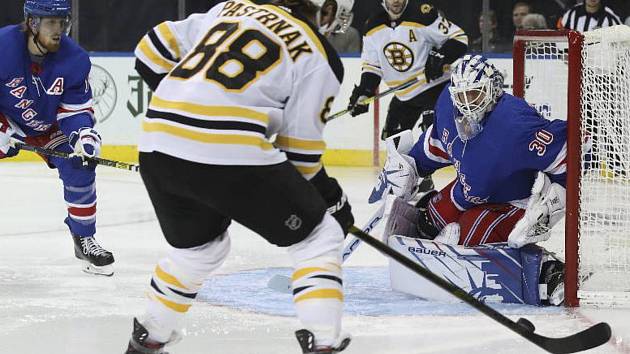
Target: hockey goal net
(585, 78)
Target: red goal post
(585, 79)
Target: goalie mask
(395, 8)
(334, 16)
(476, 86)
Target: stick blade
(280, 283)
(587, 339)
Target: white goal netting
(604, 192)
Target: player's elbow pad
(335, 198)
(151, 78)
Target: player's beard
(51, 44)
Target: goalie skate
(94, 258)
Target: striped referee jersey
(579, 20)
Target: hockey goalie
(480, 231)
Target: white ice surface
(48, 306)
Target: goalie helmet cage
(585, 78)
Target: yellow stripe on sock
(171, 305)
(321, 294)
(304, 271)
(167, 278)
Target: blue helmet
(47, 8)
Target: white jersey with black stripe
(398, 50)
(246, 84)
(578, 19)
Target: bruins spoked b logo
(399, 56)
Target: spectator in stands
(588, 16)
(497, 44)
(337, 29)
(519, 11)
(534, 22)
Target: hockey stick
(375, 97)
(282, 283)
(49, 152)
(591, 337)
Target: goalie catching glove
(399, 174)
(335, 198)
(544, 209)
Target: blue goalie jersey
(500, 164)
(39, 97)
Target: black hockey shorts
(195, 202)
(402, 115)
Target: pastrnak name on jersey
(273, 21)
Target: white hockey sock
(317, 281)
(175, 283)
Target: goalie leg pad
(492, 273)
(488, 223)
(402, 220)
(317, 281)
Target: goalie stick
(48, 152)
(589, 338)
(282, 283)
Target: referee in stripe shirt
(589, 15)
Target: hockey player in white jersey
(234, 131)
(406, 40)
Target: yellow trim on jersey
(167, 278)
(210, 111)
(457, 33)
(321, 294)
(295, 143)
(308, 170)
(375, 29)
(410, 88)
(171, 304)
(400, 82)
(307, 29)
(166, 32)
(412, 24)
(153, 56)
(208, 138)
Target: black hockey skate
(138, 342)
(96, 259)
(552, 275)
(307, 343)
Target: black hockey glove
(426, 229)
(335, 198)
(434, 67)
(359, 94)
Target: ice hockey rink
(47, 305)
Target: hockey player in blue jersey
(510, 164)
(46, 100)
